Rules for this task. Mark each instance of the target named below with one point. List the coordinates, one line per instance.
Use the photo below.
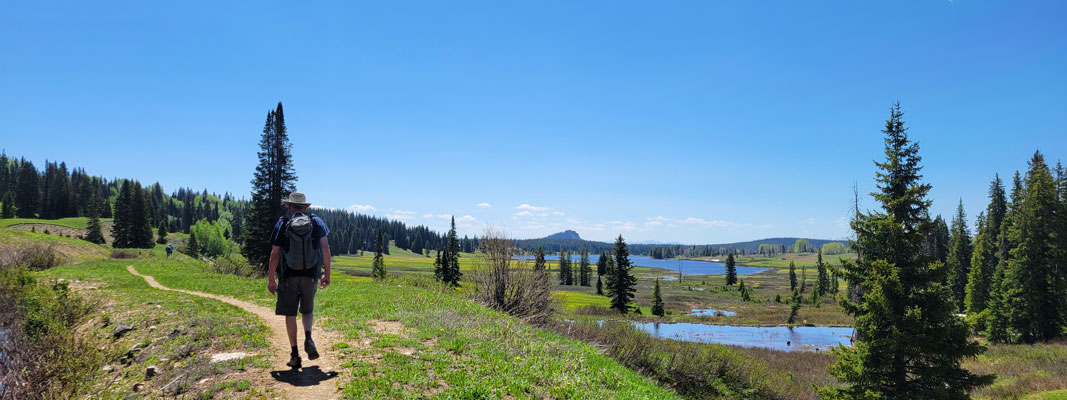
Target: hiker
(299, 242)
(170, 249)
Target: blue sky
(694, 122)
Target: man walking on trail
(299, 243)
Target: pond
(711, 312)
(781, 338)
(688, 267)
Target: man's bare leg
(307, 319)
(290, 327)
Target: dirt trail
(316, 380)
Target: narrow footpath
(316, 380)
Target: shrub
(124, 254)
(509, 285)
(236, 264)
(35, 256)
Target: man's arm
(272, 284)
(325, 245)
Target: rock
(131, 354)
(184, 351)
(152, 328)
(107, 368)
(151, 371)
(227, 357)
(120, 330)
(139, 386)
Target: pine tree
(273, 180)
(378, 266)
(539, 259)
(565, 277)
(998, 325)
(794, 307)
(122, 226)
(908, 344)
(8, 209)
(194, 246)
(602, 264)
(141, 224)
(937, 240)
(27, 191)
(657, 301)
(792, 276)
(161, 232)
(599, 285)
(745, 296)
(93, 233)
(731, 270)
(449, 265)
(1035, 275)
(959, 256)
(823, 284)
(584, 271)
(984, 258)
(438, 267)
(621, 283)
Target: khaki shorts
(296, 293)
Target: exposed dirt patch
(387, 327)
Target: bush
(36, 257)
(43, 357)
(236, 264)
(124, 254)
(509, 285)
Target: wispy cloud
(526, 213)
(528, 207)
(427, 215)
(363, 208)
(484, 205)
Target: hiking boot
(294, 361)
(309, 347)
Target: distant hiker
(170, 249)
(299, 241)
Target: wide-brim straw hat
(296, 198)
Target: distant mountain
(567, 234)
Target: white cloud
(523, 214)
(404, 212)
(542, 215)
(484, 205)
(466, 218)
(558, 213)
(402, 217)
(362, 208)
(427, 215)
(444, 216)
(528, 207)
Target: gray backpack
(303, 253)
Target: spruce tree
(823, 284)
(731, 270)
(565, 277)
(657, 301)
(794, 307)
(8, 209)
(584, 271)
(745, 296)
(602, 264)
(621, 283)
(194, 245)
(908, 344)
(1035, 275)
(27, 191)
(984, 259)
(141, 224)
(438, 267)
(959, 256)
(449, 265)
(792, 276)
(161, 232)
(272, 181)
(599, 285)
(937, 241)
(378, 266)
(93, 233)
(539, 259)
(122, 227)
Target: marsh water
(781, 338)
(688, 267)
(711, 312)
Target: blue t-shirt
(277, 239)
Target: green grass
(74, 222)
(458, 349)
(782, 260)
(1036, 371)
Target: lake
(781, 338)
(710, 312)
(688, 267)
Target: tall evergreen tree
(621, 283)
(792, 276)
(731, 270)
(378, 266)
(584, 271)
(161, 232)
(959, 256)
(657, 301)
(272, 181)
(908, 342)
(984, 259)
(8, 209)
(27, 191)
(1036, 288)
(599, 285)
(937, 241)
(602, 264)
(449, 269)
(565, 276)
(93, 233)
(539, 259)
(823, 284)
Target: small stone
(152, 328)
(107, 368)
(227, 357)
(139, 386)
(120, 330)
(151, 371)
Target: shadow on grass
(308, 376)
